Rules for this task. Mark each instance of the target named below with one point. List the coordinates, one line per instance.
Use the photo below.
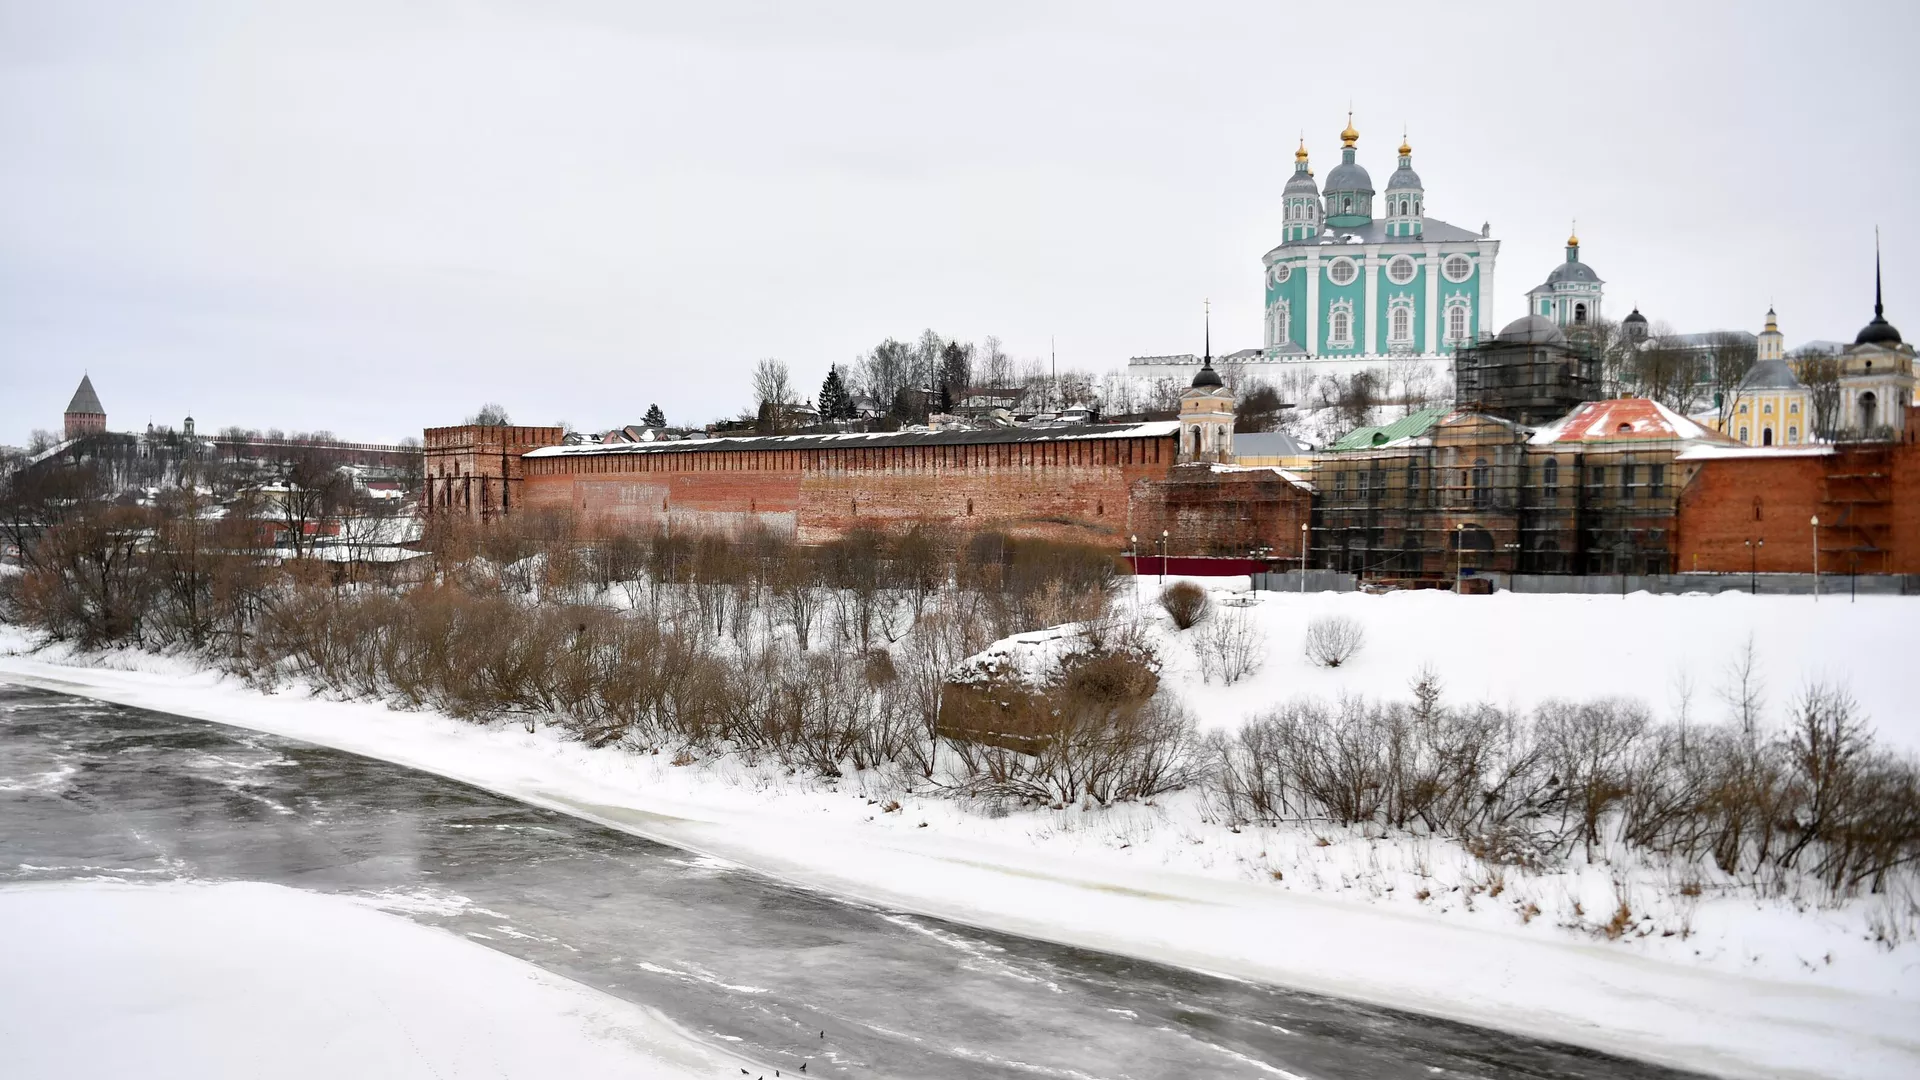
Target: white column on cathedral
(1484, 272)
(1372, 264)
(1435, 317)
(1312, 268)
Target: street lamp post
(1459, 554)
(1164, 536)
(1303, 558)
(1133, 552)
(1753, 566)
(1816, 558)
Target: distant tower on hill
(85, 415)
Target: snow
(1744, 987)
(1714, 453)
(243, 980)
(1151, 428)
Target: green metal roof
(1407, 427)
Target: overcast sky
(369, 217)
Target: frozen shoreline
(245, 980)
(1074, 885)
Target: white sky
(371, 217)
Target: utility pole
(1303, 558)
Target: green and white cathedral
(1352, 280)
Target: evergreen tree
(654, 417)
(836, 402)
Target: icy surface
(245, 980)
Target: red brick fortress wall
(1221, 511)
(478, 471)
(1081, 488)
(1866, 495)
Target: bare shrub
(1187, 603)
(1332, 640)
(1230, 646)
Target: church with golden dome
(1368, 274)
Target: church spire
(1206, 314)
(1879, 309)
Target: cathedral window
(1767, 408)
(1342, 271)
(1400, 323)
(1579, 313)
(1457, 268)
(1793, 407)
(1341, 325)
(1281, 273)
(1400, 269)
(1457, 322)
(1793, 435)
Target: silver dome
(1404, 179)
(1349, 176)
(1532, 330)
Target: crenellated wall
(1080, 488)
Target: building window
(1550, 477)
(1598, 477)
(1793, 435)
(1340, 483)
(1457, 268)
(1400, 323)
(1481, 495)
(1793, 408)
(1342, 271)
(1400, 269)
(1340, 324)
(1579, 313)
(1457, 322)
(1743, 434)
(1626, 481)
(1767, 409)
(1657, 482)
(1743, 408)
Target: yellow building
(1770, 406)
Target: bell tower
(1206, 413)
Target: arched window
(1341, 328)
(1793, 408)
(1869, 412)
(1766, 436)
(1346, 202)
(1402, 323)
(1743, 434)
(1481, 496)
(1196, 442)
(1793, 436)
(1767, 409)
(1579, 313)
(1550, 477)
(1457, 322)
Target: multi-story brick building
(476, 469)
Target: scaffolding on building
(1470, 493)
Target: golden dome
(1573, 241)
(1349, 136)
(1404, 148)
(1301, 154)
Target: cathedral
(1356, 280)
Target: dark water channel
(95, 790)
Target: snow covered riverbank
(244, 980)
(1745, 987)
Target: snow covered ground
(99, 979)
(1721, 981)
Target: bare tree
(772, 392)
(313, 491)
(1333, 639)
(1820, 372)
(490, 415)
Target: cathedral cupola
(1571, 294)
(1206, 413)
(1404, 196)
(1772, 343)
(1301, 199)
(1349, 190)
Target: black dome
(1206, 376)
(1878, 332)
(1634, 316)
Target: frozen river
(778, 973)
